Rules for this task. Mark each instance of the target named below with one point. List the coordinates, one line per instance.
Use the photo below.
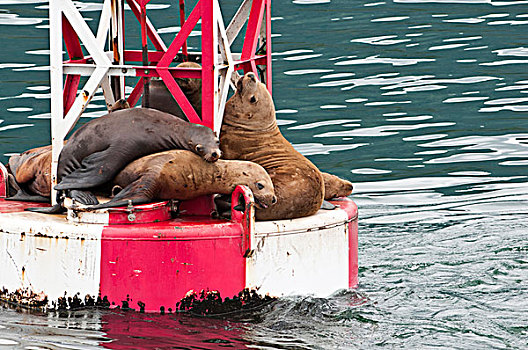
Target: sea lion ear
(239, 84)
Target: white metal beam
(225, 73)
(56, 86)
(83, 99)
(104, 24)
(238, 21)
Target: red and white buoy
(143, 256)
(146, 254)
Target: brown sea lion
(183, 175)
(98, 150)
(32, 174)
(336, 187)
(250, 132)
(161, 99)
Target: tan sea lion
(336, 187)
(161, 99)
(250, 132)
(183, 175)
(32, 174)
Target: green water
(422, 105)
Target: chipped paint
(40, 262)
(313, 255)
(28, 299)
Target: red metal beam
(176, 72)
(258, 60)
(163, 65)
(252, 35)
(180, 97)
(75, 52)
(182, 22)
(151, 31)
(134, 96)
(268, 46)
(71, 84)
(209, 52)
(136, 56)
(180, 38)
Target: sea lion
(183, 175)
(31, 171)
(250, 132)
(99, 149)
(161, 99)
(336, 187)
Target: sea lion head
(261, 186)
(190, 86)
(251, 107)
(205, 143)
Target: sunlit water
(422, 104)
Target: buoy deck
(156, 264)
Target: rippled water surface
(422, 104)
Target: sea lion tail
(327, 205)
(83, 197)
(55, 209)
(133, 193)
(25, 197)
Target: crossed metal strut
(108, 68)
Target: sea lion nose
(214, 155)
(252, 76)
(274, 200)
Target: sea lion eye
(253, 99)
(259, 185)
(199, 148)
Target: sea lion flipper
(23, 196)
(55, 209)
(83, 197)
(136, 192)
(327, 205)
(96, 169)
(13, 186)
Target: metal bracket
(243, 211)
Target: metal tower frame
(107, 62)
